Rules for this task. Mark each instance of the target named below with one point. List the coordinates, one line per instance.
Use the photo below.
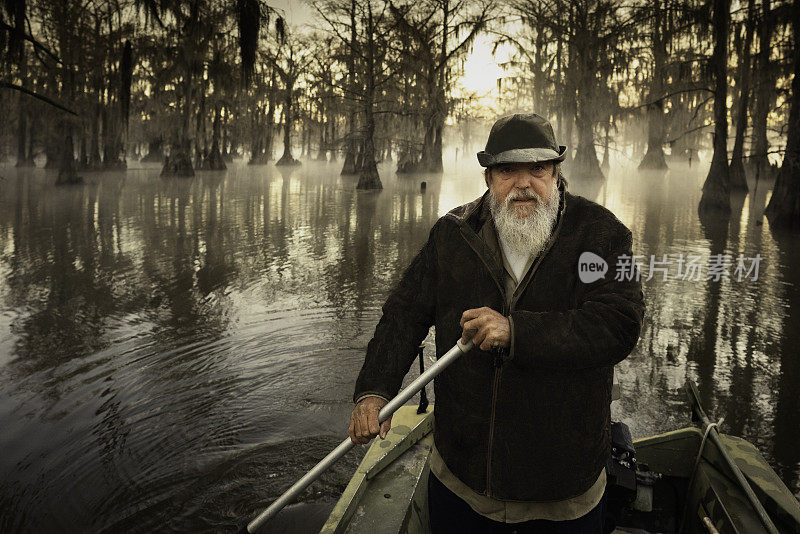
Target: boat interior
(678, 482)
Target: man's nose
(524, 180)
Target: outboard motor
(627, 485)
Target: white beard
(525, 235)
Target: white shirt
(516, 260)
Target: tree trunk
(287, 158)
(434, 159)
(31, 143)
(262, 147)
(53, 150)
(654, 157)
(716, 190)
(764, 94)
(586, 162)
(435, 164)
(269, 131)
(214, 160)
(736, 72)
(112, 145)
(322, 153)
(349, 166)
(201, 147)
(67, 174)
(155, 151)
(94, 160)
(257, 151)
(24, 158)
(431, 158)
(83, 156)
(783, 210)
(737, 174)
(570, 99)
(369, 178)
(560, 108)
(179, 162)
(226, 155)
(333, 144)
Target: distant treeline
(92, 83)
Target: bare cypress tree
(654, 157)
(270, 128)
(24, 158)
(783, 210)
(190, 47)
(349, 166)
(195, 30)
(716, 189)
(290, 62)
(218, 72)
(593, 33)
(367, 50)
(369, 178)
(737, 172)
(67, 16)
(764, 90)
(435, 28)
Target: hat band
(520, 155)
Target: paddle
(291, 494)
(710, 428)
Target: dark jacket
(531, 423)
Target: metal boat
(681, 481)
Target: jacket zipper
(497, 361)
(497, 368)
(495, 387)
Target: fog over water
(175, 352)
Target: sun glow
(481, 71)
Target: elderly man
(522, 431)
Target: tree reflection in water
(174, 353)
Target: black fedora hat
(521, 138)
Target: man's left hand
(486, 327)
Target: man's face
(524, 182)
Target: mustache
(523, 195)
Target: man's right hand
(364, 421)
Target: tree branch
(37, 96)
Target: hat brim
(522, 155)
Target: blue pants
(449, 514)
